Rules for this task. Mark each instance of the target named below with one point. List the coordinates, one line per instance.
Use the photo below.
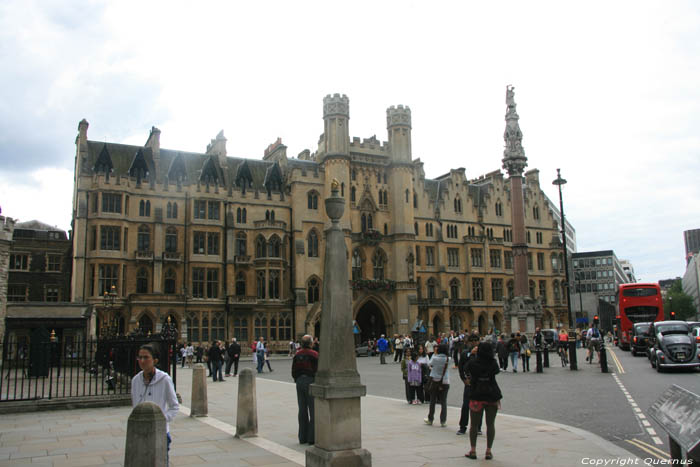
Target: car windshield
(641, 329)
(665, 329)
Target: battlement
(336, 104)
(7, 227)
(369, 143)
(398, 115)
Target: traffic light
(595, 319)
(673, 315)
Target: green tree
(679, 302)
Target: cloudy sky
(607, 91)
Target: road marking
(642, 418)
(653, 448)
(646, 423)
(620, 369)
(657, 440)
(651, 431)
(271, 446)
(643, 447)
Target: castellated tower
(398, 122)
(336, 148)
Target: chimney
(153, 142)
(218, 147)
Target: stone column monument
(337, 388)
(521, 310)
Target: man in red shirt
(304, 367)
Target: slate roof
(36, 225)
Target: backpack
(596, 333)
(512, 346)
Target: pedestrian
(593, 338)
(514, 351)
(267, 357)
(430, 346)
(183, 356)
(414, 377)
(234, 355)
(382, 347)
(525, 352)
(423, 361)
(398, 349)
(485, 397)
(440, 384)
(199, 351)
(304, 367)
(316, 345)
(153, 385)
(260, 354)
(292, 348)
(404, 373)
(467, 355)
(189, 354)
(215, 360)
(502, 351)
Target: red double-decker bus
(637, 303)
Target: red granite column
(520, 287)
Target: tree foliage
(679, 302)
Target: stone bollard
(200, 403)
(247, 413)
(546, 356)
(146, 442)
(603, 358)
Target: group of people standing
(427, 380)
(515, 348)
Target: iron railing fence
(31, 370)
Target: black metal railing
(77, 368)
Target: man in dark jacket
(502, 351)
(215, 359)
(468, 354)
(304, 367)
(234, 354)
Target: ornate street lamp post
(572, 333)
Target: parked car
(672, 346)
(695, 331)
(364, 350)
(640, 338)
(551, 339)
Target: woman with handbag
(439, 383)
(485, 397)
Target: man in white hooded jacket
(153, 385)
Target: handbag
(436, 386)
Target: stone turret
(398, 124)
(336, 116)
(218, 147)
(153, 142)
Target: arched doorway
(483, 326)
(437, 325)
(146, 324)
(455, 322)
(547, 320)
(370, 320)
(317, 328)
(497, 323)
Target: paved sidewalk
(393, 432)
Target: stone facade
(7, 226)
(235, 246)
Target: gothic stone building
(228, 246)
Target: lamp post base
(317, 457)
(573, 364)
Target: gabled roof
(211, 171)
(273, 177)
(104, 161)
(139, 167)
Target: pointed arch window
(536, 213)
(432, 289)
(240, 285)
(499, 209)
(273, 247)
(356, 265)
(312, 290)
(415, 200)
(407, 196)
(378, 264)
(142, 280)
(273, 289)
(312, 200)
(458, 205)
(260, 282)
(260, 247)
(241, 244)
(312, 244)
(352, 194)
(238, 215)
(169, 282)
(144, 238)
(353, 175)
(454, 289)
(145, 208)
(171, 240)
(415, 227)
